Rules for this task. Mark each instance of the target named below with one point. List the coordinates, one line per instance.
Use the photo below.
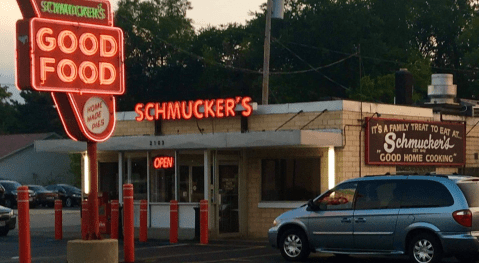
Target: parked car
(10, 195)
(424, 217)
(45, 197)
(7, 220)
(70, 195)
(2, 193)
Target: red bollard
(143, 220)
(58, 220)
(203, 221)
(114, 219)
(23, 224)
(129, 230)
(173, 221)
(84, 219)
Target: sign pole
(94, 228)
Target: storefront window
(290, 179)
(162, 185)
(192, 184)
(184, 184)
(197, 184)
(138, 178)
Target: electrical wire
(312, 68)
(259, 72)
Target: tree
(156, 32)
(38, 114)
(8, 115)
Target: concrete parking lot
(45, 249)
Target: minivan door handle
(346, 220)
(360, 220)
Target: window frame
(327, 193)
(281, 172)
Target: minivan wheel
(425, 248)
(294, 245)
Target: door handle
(360, 220)
(346, 220)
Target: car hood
(4, 209)
(294, 213)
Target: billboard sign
(404, 142)
(71, 49)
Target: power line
(243, 69)
(315, 69)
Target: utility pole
(267, 41)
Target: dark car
(70, 195)
(10, 194)
(2, 192)
(7, 220)
(45, 197)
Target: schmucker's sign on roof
(403, 142)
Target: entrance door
(228, 198)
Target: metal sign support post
(94, 226)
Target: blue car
(425, 217)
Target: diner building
(252, 168)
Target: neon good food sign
(67, 58)
(71, 49)
(214, 108)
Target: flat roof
(290, 138)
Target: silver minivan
(426, 217)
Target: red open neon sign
(215, 108)
(163, 162)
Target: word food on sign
(163, 162)
(215, 108)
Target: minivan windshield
(469, 190)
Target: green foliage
(8, 114)
(38, 114)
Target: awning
(294, 138)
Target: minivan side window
(424, 193)
(339, 198)
(385, 194)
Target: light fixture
(86, 174)
(331, 168)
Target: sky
(204, 13)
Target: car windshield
(11, 186)
(37, 188)
(70, 188)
